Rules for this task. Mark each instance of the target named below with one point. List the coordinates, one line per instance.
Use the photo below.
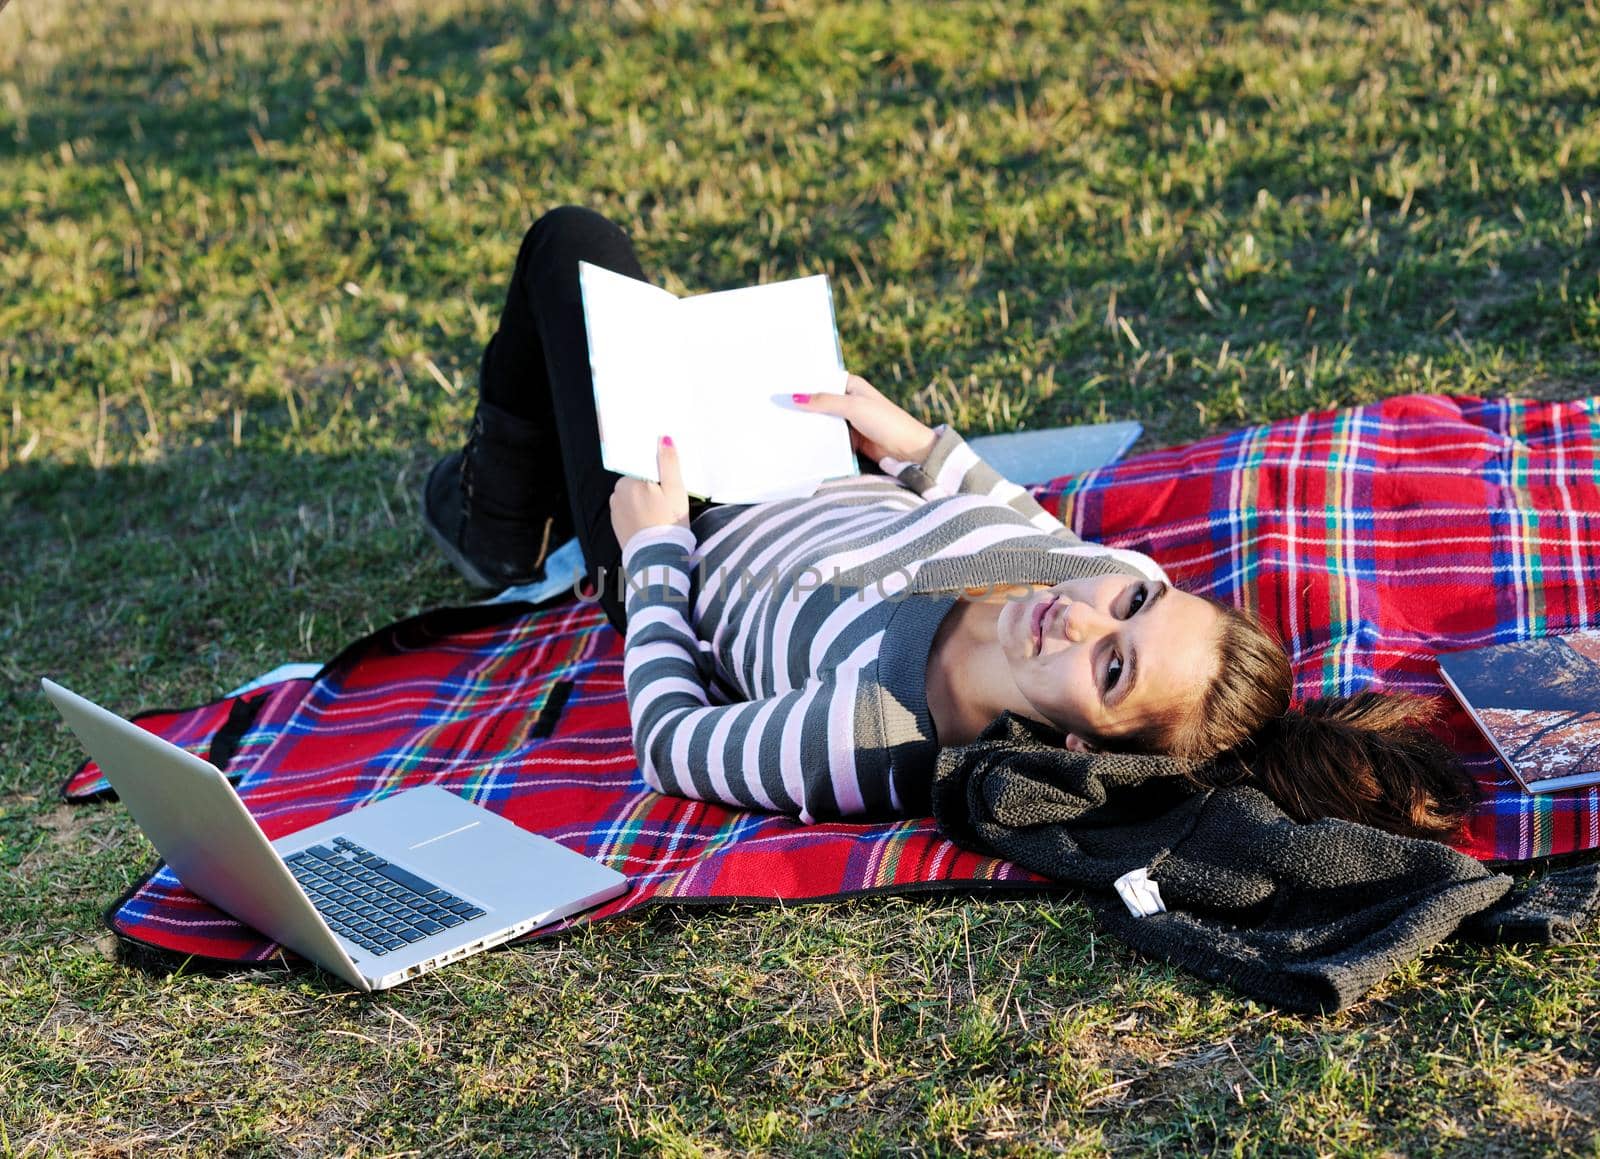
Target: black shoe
(483, 509)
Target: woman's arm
(933, 462)
(795, 753)
(954, 468)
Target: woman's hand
(637, 504)
(878, 428)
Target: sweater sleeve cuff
(922, 477)
(645, 548)
(946, 444)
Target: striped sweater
(776, 654)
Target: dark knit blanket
(1303, 916)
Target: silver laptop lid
(203, 831)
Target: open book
(1538, 702)
(716, 372)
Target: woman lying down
(811, 656)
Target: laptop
(376, 896)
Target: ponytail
(1363, 758)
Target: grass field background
(249, 253)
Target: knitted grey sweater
(1304, 916)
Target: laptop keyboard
(378, 906)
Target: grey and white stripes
(776, 655)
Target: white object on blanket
(563, 568)
(1039, 456)
(279, 674)
(1141, 895)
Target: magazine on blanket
(716, 372)
(1538, 702)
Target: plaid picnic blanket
(1373, 537)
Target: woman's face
(1104, 657)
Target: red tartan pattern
(1376, 537)
(1373, 537)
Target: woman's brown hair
(1367, 757)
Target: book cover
(1538, 702)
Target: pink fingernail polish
(666, 440)
(802, 398)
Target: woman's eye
(1113, 671)
(1136, 601)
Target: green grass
(248, 256)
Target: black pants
(537, 367)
